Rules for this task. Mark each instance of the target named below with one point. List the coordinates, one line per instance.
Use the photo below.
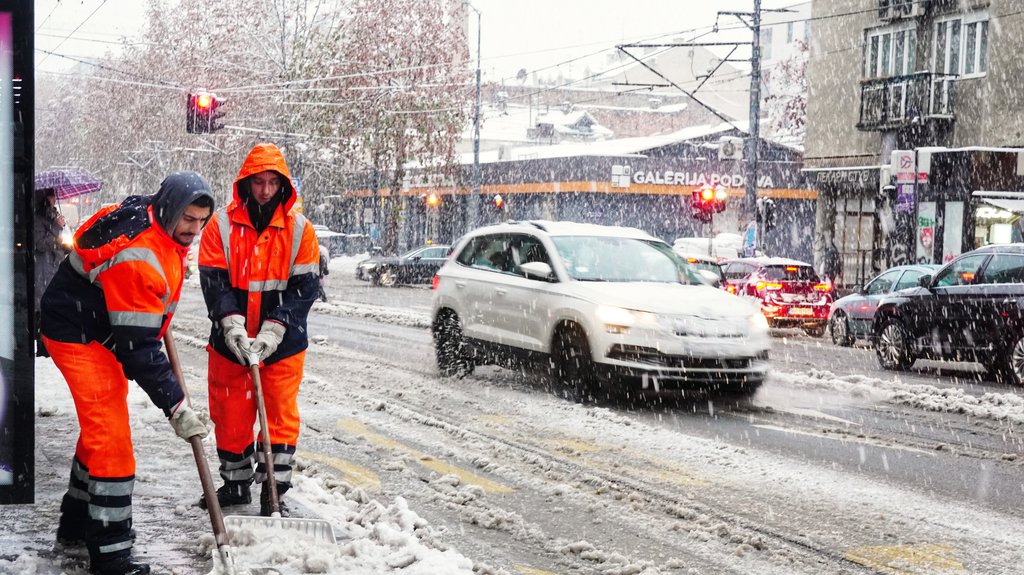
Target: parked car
(789, 292)
(613, 310)
(851, 316)
(972, 309)
(416, 266)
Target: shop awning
(1009, 201)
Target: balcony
(901, 101)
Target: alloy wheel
(893, 350)
(840, 328)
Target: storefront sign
(696, 179)
(859, 177)
(905, 199)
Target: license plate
(801, 311)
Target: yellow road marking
(358, 428)
(498, 419)
(356, 475)
(907, 559)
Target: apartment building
(915, 128)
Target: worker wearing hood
(258, 268)
(103, 317)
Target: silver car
(850, 317)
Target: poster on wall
(926, 232)
(952, 231)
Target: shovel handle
(268, 458)
(220, 533)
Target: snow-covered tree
(786, 96)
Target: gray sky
(530, 34)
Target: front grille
(651, 356)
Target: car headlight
(758, 322)
(367, 267)
(619, 320)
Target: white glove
(235, 336)
(186, 423)
(266, 342)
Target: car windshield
(412, 253)
(617, 259)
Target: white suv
(612, 310)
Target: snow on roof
(621, 147)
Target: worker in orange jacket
(103, 316)
(259, 271)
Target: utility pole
(750, 203)
(473, 203)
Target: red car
(790, 292)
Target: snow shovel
(317, 528)
(220, 533)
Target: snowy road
(849, 470)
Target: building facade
(913, 122)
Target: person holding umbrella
(47, 248)
(104, 315)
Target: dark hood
(177, 191)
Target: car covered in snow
(789, 292)
(614, 310)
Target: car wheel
(893, 347)
(840, 328)
(453, 357)
(1010, 369)
(574, 366)
(386, 278)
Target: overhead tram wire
(154, 82)
(61, 43)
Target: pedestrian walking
(832, 263)
(104, 315)
(325, 263)
(48, 251)
(258, 268)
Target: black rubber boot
(231, 493)
(282, 488)
(124, 565)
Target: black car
(416, 266)
(972, 309)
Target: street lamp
(473, 205)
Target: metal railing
(898, 101)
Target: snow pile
(1007, 407)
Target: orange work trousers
(100, 391)
(233, 401)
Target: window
(960, 272)
(882, 284)
(961, 45)
(1005, 269)
(487, 252)
(890, 51)
(766, 43)
(789, 32)
(908, 280)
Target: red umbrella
(68, 182)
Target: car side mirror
(709, 277)
(925, 281)
(538, 270)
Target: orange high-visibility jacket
(120, 287)
(271, 276)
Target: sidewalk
(174, 534)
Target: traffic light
(432, 200)
(707, 201)
(499, 203)
(202, 111)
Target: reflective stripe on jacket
(121, 293)
(273, 275)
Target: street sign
(904, 165)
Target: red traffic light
(499, 202)
(433, 200)
(204, 100)
(707, 194)
(202, 111)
